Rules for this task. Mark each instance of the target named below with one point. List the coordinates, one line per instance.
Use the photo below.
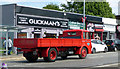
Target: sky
(42, 3)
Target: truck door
(86, 39)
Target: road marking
(109, 65)
(96, 57)
(103, 53)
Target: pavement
(11, 57)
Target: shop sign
(75, 25)
(44, 22)
(37, 29)
(109, 28)
(90, 27)
(98, 26)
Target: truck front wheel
(83, 53)
(52, 55)
(30, 57)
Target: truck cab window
(83, 35)
(87, 35)
(71, 33)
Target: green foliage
(101, 9)
(52, 6)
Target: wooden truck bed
(46, 42)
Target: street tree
(101, 9)
(52, 6)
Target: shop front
(40, 26)
(109, 28)
(109, 32)
(96, 30)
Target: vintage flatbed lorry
(71, 42)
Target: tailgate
(25, 43)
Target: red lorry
(71, 42)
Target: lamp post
(84, 15)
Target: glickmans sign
(41, 21)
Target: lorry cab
(84, 35)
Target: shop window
(22, 35)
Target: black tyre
(52, 55)
(93, 51)
(105, 50)
(64, 57)
(83, 53)
(30, 57)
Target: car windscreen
(108, 42)
(94, 41)
(117, 41)
(99, 42)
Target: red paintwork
(44, 52)
(61, 44)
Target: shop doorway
(36, 35)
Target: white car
(98, 46)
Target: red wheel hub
(84, 53)
(53, 55)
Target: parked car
(98, 46)
(111, 44)
(117, 43)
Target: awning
(11, 28)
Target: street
(109, 59)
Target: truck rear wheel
(83, 53)
(52, 55)
(30, 57)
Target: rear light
(112, 43)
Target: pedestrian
(10, 44)
(4, 45)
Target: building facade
(109, 28)
(42, 23)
